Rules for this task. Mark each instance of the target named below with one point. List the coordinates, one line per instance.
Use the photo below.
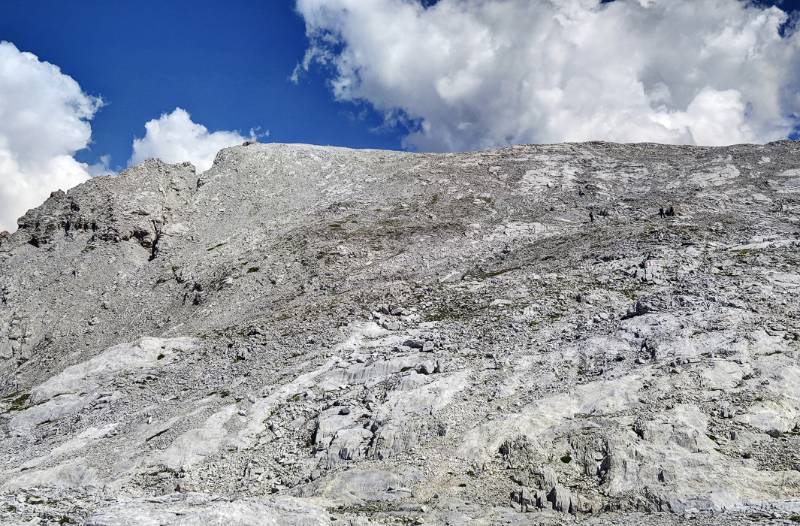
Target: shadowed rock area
(594, 333)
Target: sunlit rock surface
(307, 335)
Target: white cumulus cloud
(465, 74)
(44, 120)
(175, 138)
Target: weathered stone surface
(303, 334)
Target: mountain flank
(594, 333)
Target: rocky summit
(579, 333)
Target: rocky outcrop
(308, 335)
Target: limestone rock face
(311, 335)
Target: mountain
(595, 332)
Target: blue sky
(227, 63)
(429, 75)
